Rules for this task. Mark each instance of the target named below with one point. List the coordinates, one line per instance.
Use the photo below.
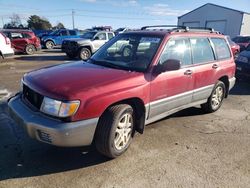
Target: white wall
(211, 13)
(245, 28)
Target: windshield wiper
(106, 64)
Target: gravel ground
(187, 149)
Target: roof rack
(179, 28)
(167, 26)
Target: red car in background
(23, 41)
(234, 47)
(243, 41)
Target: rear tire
(215, 100)
(84, 54)
(30, 49)
(1, 58)
(115, 130)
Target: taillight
(7, 40)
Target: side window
(202, 50)
(64, 33)
(72, 32)
(177, 48)
(27, 36)
(110, 35)
(101, 36)
(16, 35)
(221, 48)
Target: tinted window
(177, 49)
(64, 33)
(221, 48)
(202, 50)
(241, 39)
(110, 35)
(72, 32)
(101, 36)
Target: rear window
(202, 50)
(221, 48)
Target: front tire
(30, 49)
(215, 100)
(49, 44)
(84, 54)
(115, 130)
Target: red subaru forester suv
(23, 41)
(135, 79)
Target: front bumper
(49, 130)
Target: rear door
(18, 41)
(172, 89)
(205, 68)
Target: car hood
(245, 54)
(78, 40)
(71, 80)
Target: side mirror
(168, 65)
(96, 38)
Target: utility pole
(73, 18)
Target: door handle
(215, 66)
(188, 72)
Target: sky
(115, 13)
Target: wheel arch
(140, 111)
(86, 46)
(225, 80)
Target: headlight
(58, 108)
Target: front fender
(98, 103)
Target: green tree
(59, 26)
(36, 22)
(15, 22)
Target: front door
(172, 89)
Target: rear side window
(202, 50)
(221, 48)
(179, 49)
(72, 32)
(26, 35)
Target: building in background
(226, 20)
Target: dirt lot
(188, 149)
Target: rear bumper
(49, 130)
(8, 55)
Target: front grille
(44, 136)
(34, 98)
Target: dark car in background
(243, 41)
(23, 41)
(243, 63)
(56, 38)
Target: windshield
(54, 32)
(248, 48)
(88, 35)
(128, 51)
